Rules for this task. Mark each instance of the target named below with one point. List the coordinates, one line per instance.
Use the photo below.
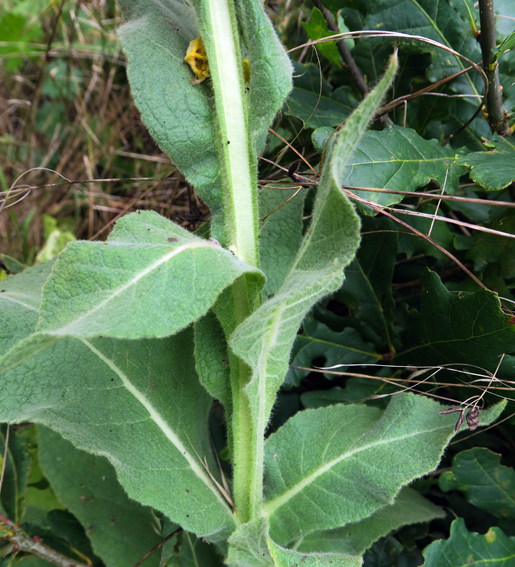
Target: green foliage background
(405, 303)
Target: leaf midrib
(69, 327)
(160, 422)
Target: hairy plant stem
(497, 118)
(220, 33)
(237, 155)
(247, 472)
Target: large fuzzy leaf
(177, 113)
(20, 298)
(270, 68)
(289, 558)
(409, 508)
(151, 278)
(315, 481)
(494, 548)
(120, 530)
(250, 546)
(138, 403)
(281, 234)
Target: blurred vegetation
(71, 142)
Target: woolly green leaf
(180, 115)
(120, 530)
(177, 113)
(248, 546)
(281, 234)
(478, 473)
(315, 481)
(288, 558)
(471, 549)
(409, 508)
(270, 68)
(20, 298)
(212, 358)
(151, 278)
(138, 403)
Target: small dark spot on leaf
(93, 464)
(171, 239)
(81, 485)
(228, 142)
(85, 499)
(187, 491)
(187, 515)
(113, 521)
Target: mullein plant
(122, 346)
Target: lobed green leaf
(487, 484)
(471, 549)
(457, 327)
(493, 170)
